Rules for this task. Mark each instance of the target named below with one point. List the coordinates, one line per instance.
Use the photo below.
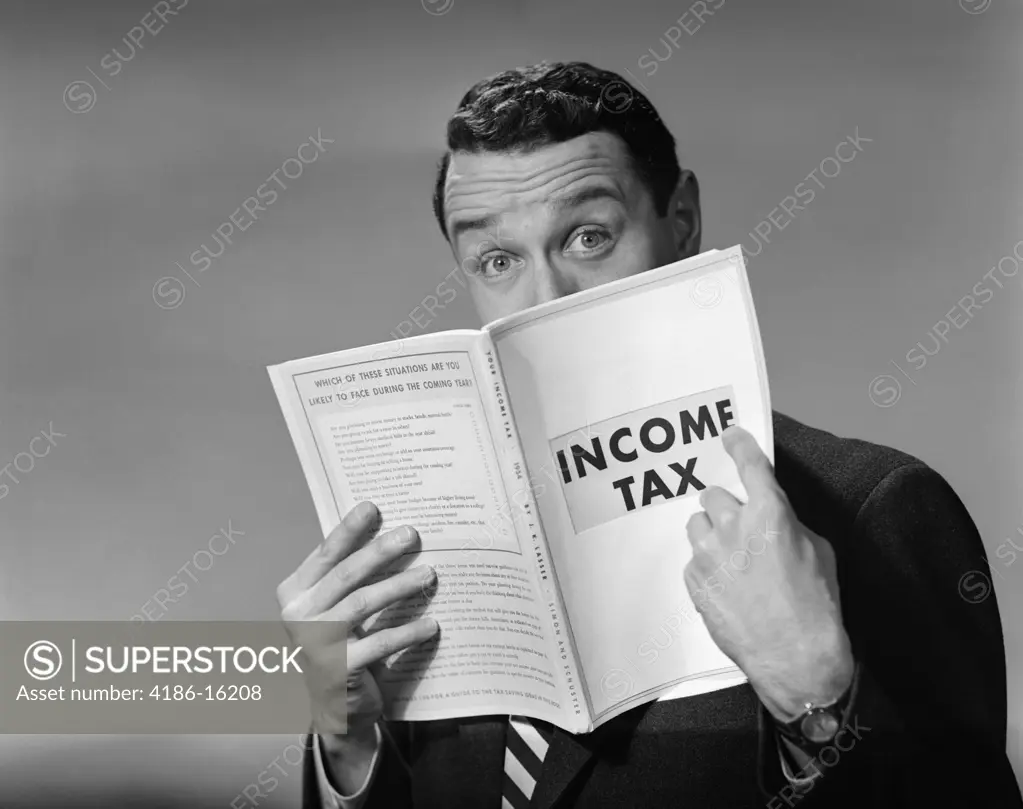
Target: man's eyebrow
(458, 227)
(578, 198)
(564, 202)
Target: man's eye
(495, 265)
(588, 241)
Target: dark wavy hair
(552, 102)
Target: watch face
(820, 726)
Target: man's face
(529, 228)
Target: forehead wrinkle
(579, 168)
(512, 173)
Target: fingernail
(408, 536)
(428, 574)
(360, 515)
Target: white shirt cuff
(330, 798)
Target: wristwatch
(817, 725)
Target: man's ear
(684, 210)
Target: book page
(620, 394)
(409, 426)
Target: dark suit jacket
(931, 703)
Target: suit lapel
(569, 755)
(565, 759)
(453, 759)
(732, 708)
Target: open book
(549, 462)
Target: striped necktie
(528, 740)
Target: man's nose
(551, 284)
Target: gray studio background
(170, 425)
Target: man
(871, 682)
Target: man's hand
(331, 586)
(767, 588)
